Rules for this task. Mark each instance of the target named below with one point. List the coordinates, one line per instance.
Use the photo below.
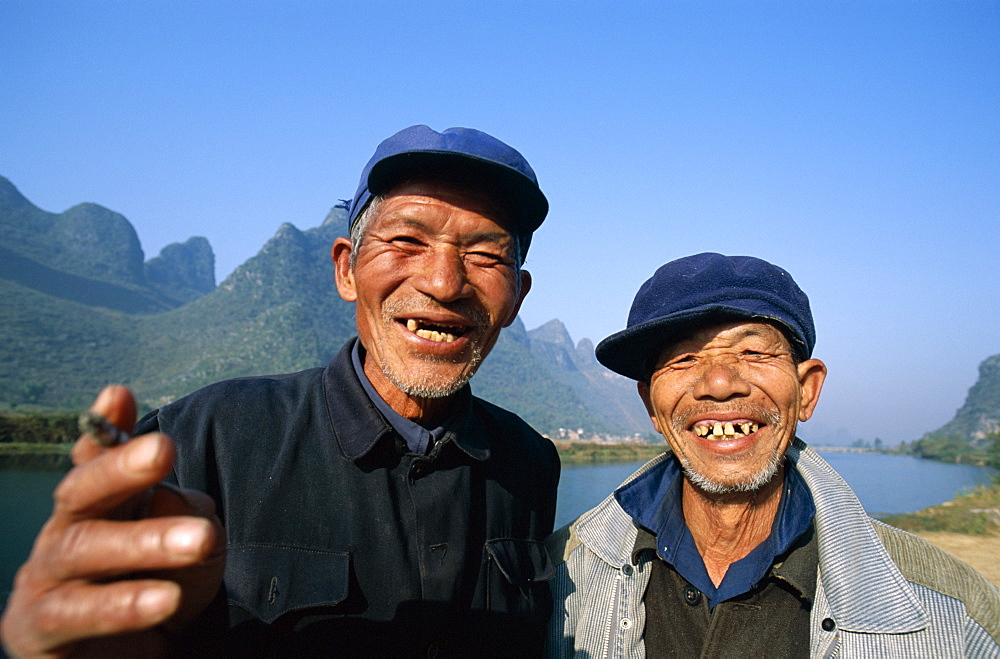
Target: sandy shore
(980, 551)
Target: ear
(525, 287)
(812, 375)
(342, 272)
(644, 395)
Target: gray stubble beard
(754, 483)
(424, 386)
(758, 480)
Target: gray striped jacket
(890, 593)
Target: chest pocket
(518, 574)
(268, 581)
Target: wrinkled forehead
(462, 194)
(726, 330)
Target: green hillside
(969, 436)
(163, 328)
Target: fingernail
(185, 539)
(140, 454)
(158, 602)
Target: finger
(115, 403)
(80, 610)
(94, 488)
(99, 549)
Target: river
(884, 483)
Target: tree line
(53, 428)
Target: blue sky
(856, 144)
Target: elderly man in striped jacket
(740, 540)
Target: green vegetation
(20, 430)
(590, 452)
(950, 448)
(976, 512)
(993, 454)
(970, 437)
(81, 310)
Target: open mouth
(723, 430)
(436, 332)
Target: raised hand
(122, 561)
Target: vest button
(828, 624)
(627, 570)
(692, 596)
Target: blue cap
(465, 155)
(688, 291)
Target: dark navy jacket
(340, 542)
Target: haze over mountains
(81, 306)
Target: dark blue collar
(418, 438)
(653, 500)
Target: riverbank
(981, 552)
(582, 452)
(967, 527)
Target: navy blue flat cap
(684, 292)
(463, 155)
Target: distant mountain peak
(585, 351)
(552, 332)
(183, 271)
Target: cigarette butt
(100, 430)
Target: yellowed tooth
(701, 431)
(717, 430)
(448, 337)
(745, 427)
(411, 325)
(753, 427)
(423, 334)
(729, 429)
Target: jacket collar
(609, 531)
(865, 590)
(358, 425)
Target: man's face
(435, 281)
(727, 399)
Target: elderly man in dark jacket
(373, 506)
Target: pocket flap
(271, 580)
(522, 562)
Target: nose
(721, 381)
(442, 275)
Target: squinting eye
(404, 239)
(489, 257)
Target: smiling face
(435, 279)
(727, 399)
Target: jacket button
(627, 570)
(828, 624)
(625, 623)
(692, 596)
